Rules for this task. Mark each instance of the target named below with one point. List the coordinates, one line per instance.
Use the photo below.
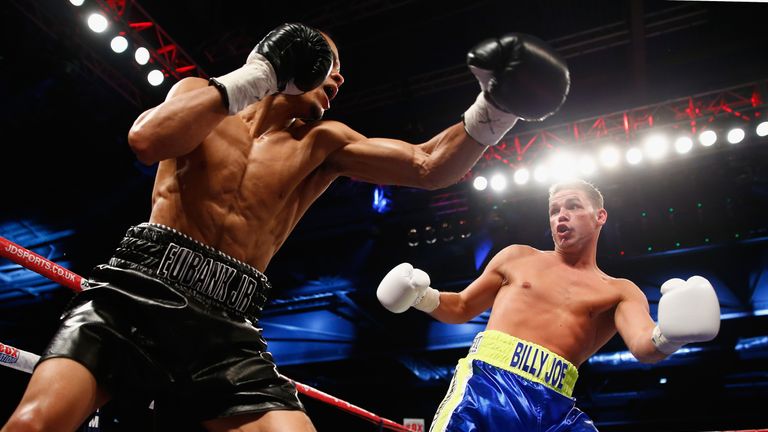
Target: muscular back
(241, 183)
(242, 195)
(546, 301)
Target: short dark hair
(594, 195)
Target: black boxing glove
(291, 59)
(520, 77)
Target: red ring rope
(25, 361)
(42, 266)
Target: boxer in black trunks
(241, 158)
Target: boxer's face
(573, 218)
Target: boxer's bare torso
(244, 195)
(558, 299)
(546, 301)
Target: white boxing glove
(688, 312)
(405, 286)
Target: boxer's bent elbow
(142, 147)
(434, 177)
(648, 357)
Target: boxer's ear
(602, 216)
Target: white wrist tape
(429, 301)
(662, 343)
(248, 84)
(485, 123)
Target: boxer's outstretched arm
(479, 296)
(460, 307)
(405, 286)
(520, 77)
(634, 324)
(689, 311)
(440, 162)
(400, 290)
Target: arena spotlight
(656, 146)
(634, 156)
(587, 165)
(480, 183)
(762, 129)
(97, 22)
(541, 173)
(609, 157)
(119, 44)
(683, 145)
(707, 138)
(562, 166)
(735, 135)
(141, 55)
(155, 77)
(522, 176)
(498, 182)
(77, 2)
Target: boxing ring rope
(25, 361)
(41, 266)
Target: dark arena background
(666, 115)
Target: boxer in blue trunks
(551, 310)
(241, 158)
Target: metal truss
(690, 115)
(49, 19)
(146, 32)
(137, 25)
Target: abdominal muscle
(574, 330)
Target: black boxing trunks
(173, 319)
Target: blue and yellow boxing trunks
(509, 384)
